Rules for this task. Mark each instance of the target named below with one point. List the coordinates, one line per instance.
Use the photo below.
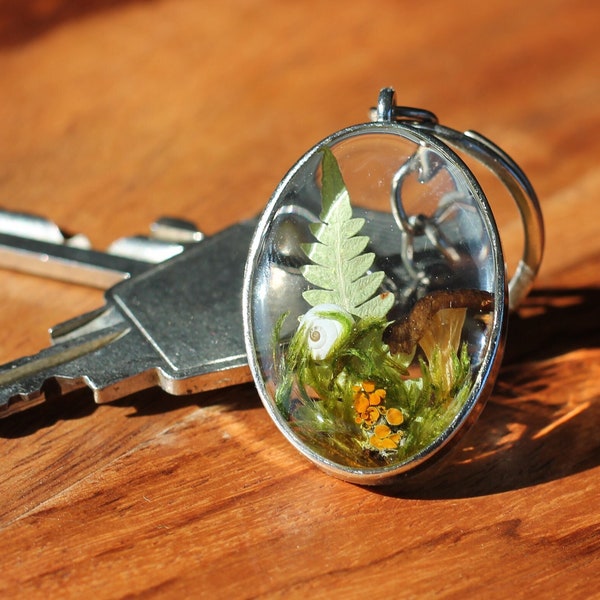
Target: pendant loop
(388, 111)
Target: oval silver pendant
(375, 300)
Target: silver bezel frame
(487, 372)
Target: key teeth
(50, 389)
(79, 241)
(34, 227)
(180, 231)
(21, 402)
(57, 387)
(145, 249)
(168, 237)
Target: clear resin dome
(374, 301)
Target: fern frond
(340, 264)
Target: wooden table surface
(114, 113)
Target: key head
(188, 310)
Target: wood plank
(114, 113)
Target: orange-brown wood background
(114, 113)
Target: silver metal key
(36, 245)
(177, 325)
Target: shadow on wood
(542, 420)
(23, 20)
(80, 404)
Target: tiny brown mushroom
(402, 335)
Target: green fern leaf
(347, 229)
(366, 287)
(340, 265)
(356, 266)
(315, 297)
(318, 275)
(335, 200)
(377, 307)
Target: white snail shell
(325, 326)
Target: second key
(178, 326)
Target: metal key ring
(379, 343)
(497, 161)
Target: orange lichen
(394, 416)
(384, 439)
(367, 401)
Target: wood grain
(114, 113)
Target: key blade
(36, 245)
(54, 357)
(67, 263)
(23, 382)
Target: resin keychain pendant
(375, 294)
